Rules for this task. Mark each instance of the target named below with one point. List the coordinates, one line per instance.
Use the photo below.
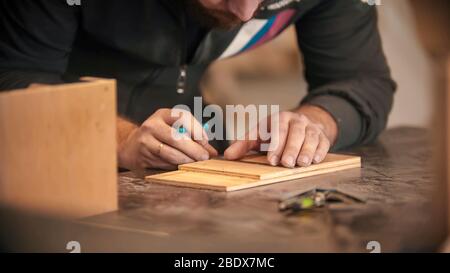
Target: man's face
(223, 13)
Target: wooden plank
(220, 182)
(200, 180)
(227, 177)
(292, 177)
(258, 167)
(58, 149)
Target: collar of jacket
(268, 7)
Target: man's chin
(225, 24)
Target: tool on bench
(316, 198)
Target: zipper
(182, 80)
(182, 77)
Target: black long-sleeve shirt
(144, 43)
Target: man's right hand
(154, 145)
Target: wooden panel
(224, 175)
(201, 180)
(58, 149)
(258, 167)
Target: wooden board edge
(163, 174)
(162, 180)
(93, 82)
(186, 185)
(251, 158)
(234, 174)
(159, 179)
(286, 172)
(292, 177)
(313, 168)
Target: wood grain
(257, 167)
(201, 180)
(58, 149)
(253, 171)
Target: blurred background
(278, 78)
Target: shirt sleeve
(35, 42)
(346, 69)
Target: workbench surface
(395, 179)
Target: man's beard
(211, 18)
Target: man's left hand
(304, 137)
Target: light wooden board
(58, 149)
(253, 171)
(257, 167)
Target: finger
(211, 150)
(169, 136)
(278, 140)
(294, 143)
(173, 156)
(240, 148)
(146, 160)
(199, 135)
(322, 149)
(153, 149)
(193, 127)
(309, 146)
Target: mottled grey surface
(395, 179)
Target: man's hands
(304, 137)
(154, 145)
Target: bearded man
(159, 49)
